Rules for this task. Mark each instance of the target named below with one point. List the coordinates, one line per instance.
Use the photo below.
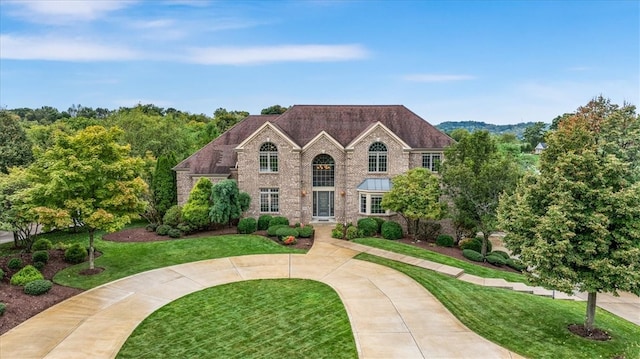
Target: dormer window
(378, 157)
(268, 157)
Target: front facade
(317, 163)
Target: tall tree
(534, 134)
(227, 202)
(274, 110)
(415, 195)
(576, 225)
(475, 174)
(88, 178)
(16, 207)
(163, 184)
(224, 119)
(15, 147)
(196, 210)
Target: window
(268, 157)
(323, 171)
(371, 203)
(376, 207)
(363, 203)
(378, 157)
(431, 161)
(269, 200)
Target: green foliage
(75, 254)
(173, 216)
(185, 228)
(368, 226)
(278, 220)
(247, 225)
(391, 230)
(503, 254)
(472, 255)
(272, 230)
(496, 260)
(474, 244)
(1, 274)
(163, 229)
(338, 231)
(38, 287)
(516, 264)
(286, 232)
(352, 233)
(15, 147)
(15, 263)
(151, 227)
(534, 134)
(306, 231)
(27, 274)
(263, 222)
(444, 240)
(39, 265)
(379, 222)
(428, 230)
(455, 128)
(274, 110)
(174, 233)
(163, 184)
(196, 211)
(226, 202)
(42, 244)
(40, 256)
(17, 213)
(3, 308)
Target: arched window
(268, 157)
(323, 171)
(377, 157)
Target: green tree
(224, 119)
(534, 134)
(196, 211)
(274, 110)
(474, 175)
(16, 207)
(15, 148)
(88, 179)
(576, 225)
(228, 204)
(415, 195)
(163, 184)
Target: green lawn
(275, 318)
(123, 259)
(413, 251)
(533, 326)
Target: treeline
(471, 126)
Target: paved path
(391, 315)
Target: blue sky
(495, 61)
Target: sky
(500, 62)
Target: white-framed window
(377, 157)
(268, 157)
(431, 161)
(269, 200)
(370, 204)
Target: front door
(323, 204)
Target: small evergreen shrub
(27, 274)
(15, 263)
(151, 227)
(496, 259)
(352, 233)
(185, 228)
(297, 225)
(502, 254)
(39, 265)
(42, 244)
(472, 255)
(516, 264)
(38, 287)
(444, 240)
(75, 254)
(271, 231)
(173, 216)
(306, 231)
(391, 230)
(379, 222)
(278, 220)
(263, 222)
(61, 246)
(338, 232)
(368, 226)
(40, 256)
(286, 232)
(3, 308)
(163, 230)
(474, 243)
(174, 233)
(247, 225)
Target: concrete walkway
(391, 315)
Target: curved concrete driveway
(391, 315)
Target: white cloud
(276, 53)
(60, 49)
(62, 11)
(437, 77)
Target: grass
(275, 318)
(123, 259)
(413, 251)
(533, 326)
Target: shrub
(1, 274)
(338, 232)
(27, 274)
(368, 226)
(15, 263)
(306, 231)
(61, 246)
(428, 230)
(379, 222)
(38, 287)
(444, 240)
(163, 229)
(173, 216)
(247, 225)
(391, 230)
(40, 256)
(185, 228)
(151, 227)
(263, 222)
(352, 233)
(75, 254)
(3, 308)
(278, 220)
(271, 231)
(290, 240)
(297, 225)
(473, 255)
(502, 254)
(39, 265)
(516, 264)
(496, 260)
(174, 233)
(474, 243)
(286, 231)
(42, 244)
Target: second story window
(431, 161)
(268, 157)
(378, 157)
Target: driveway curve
(391, 315)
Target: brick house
(317, 163)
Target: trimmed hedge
(306, 231)
(368, 226)
(271, 231)
(75, 254)
(516, 264)
(496, 260)
(278, 220)
(352, 233)
(42, 244)
(444, 240)
(39, 265)
(247, 226)
(502, 254)
(391, 230)
(263, 222)
(15, 263)
(27, 274)
(40, 256)
(286, 232)
(38, 287)
(472, 255)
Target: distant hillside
(517, 129)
